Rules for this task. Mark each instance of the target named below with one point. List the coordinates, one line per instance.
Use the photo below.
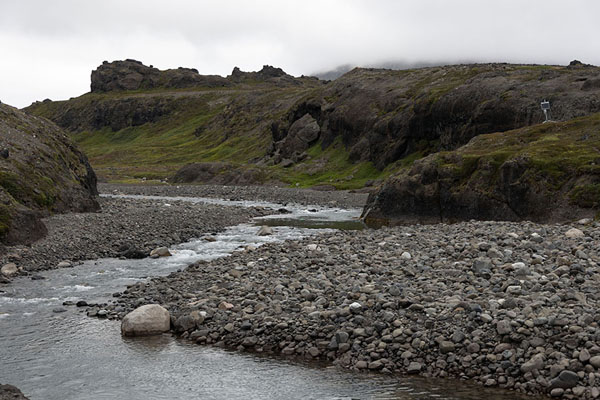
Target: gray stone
(160, 252)
(150, 319)
(535, 363)
(595, 361)
(482, 267)
(565, 380)
(265, 231)
(414, 368)
(574, 233)
(9, 270)
(446, 347)
(503, 327)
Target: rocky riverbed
(275, 194)
(132, 228)
(514, 305)
(128, 228)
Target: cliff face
(41, 171)
(383, 116)
(547, 172)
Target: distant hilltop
(134, 75)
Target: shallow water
(66, 355)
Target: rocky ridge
(41, 172)
(505, 304)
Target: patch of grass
(587, 196)
(330, 166)
(552, 155)
(5, 220)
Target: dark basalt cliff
(133, 75)
(547, 172)
(41, 171)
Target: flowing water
(51, 351)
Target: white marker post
(546, 109)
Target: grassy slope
(557, 154)
(157, 150)
(206, 131)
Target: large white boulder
(150, 319)
(160, 252)
(574, 233)
(9, 270)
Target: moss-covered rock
(546, 172)
(43, 173)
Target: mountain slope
(268, 126)
(41, 171)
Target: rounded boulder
(150, 319)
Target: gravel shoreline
(339, 198)
(132, 228)
(514, 305)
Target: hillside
(267, 126)
(546, 172)
(41, 171)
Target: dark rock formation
(383, 116)
(133, 75)
(303, 133)
(9, 392)
(266, 74)
(543, 173)
(45, 173)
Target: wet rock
(150, 319)
(160, 252)
(265, 231)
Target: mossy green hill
(41, 171)
(267, 126)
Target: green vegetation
(555, 155)
(5, 219)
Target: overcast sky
(48, 48)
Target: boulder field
(514, 305)
(41, 172)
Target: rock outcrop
(147, 320)
(9, 392)
(383, 116)
(548, 172)
(133, 75)
(43, 173)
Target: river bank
(132, 228)
(514, 305)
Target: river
(51, 351)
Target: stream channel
(53, 352)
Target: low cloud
(50, 48)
